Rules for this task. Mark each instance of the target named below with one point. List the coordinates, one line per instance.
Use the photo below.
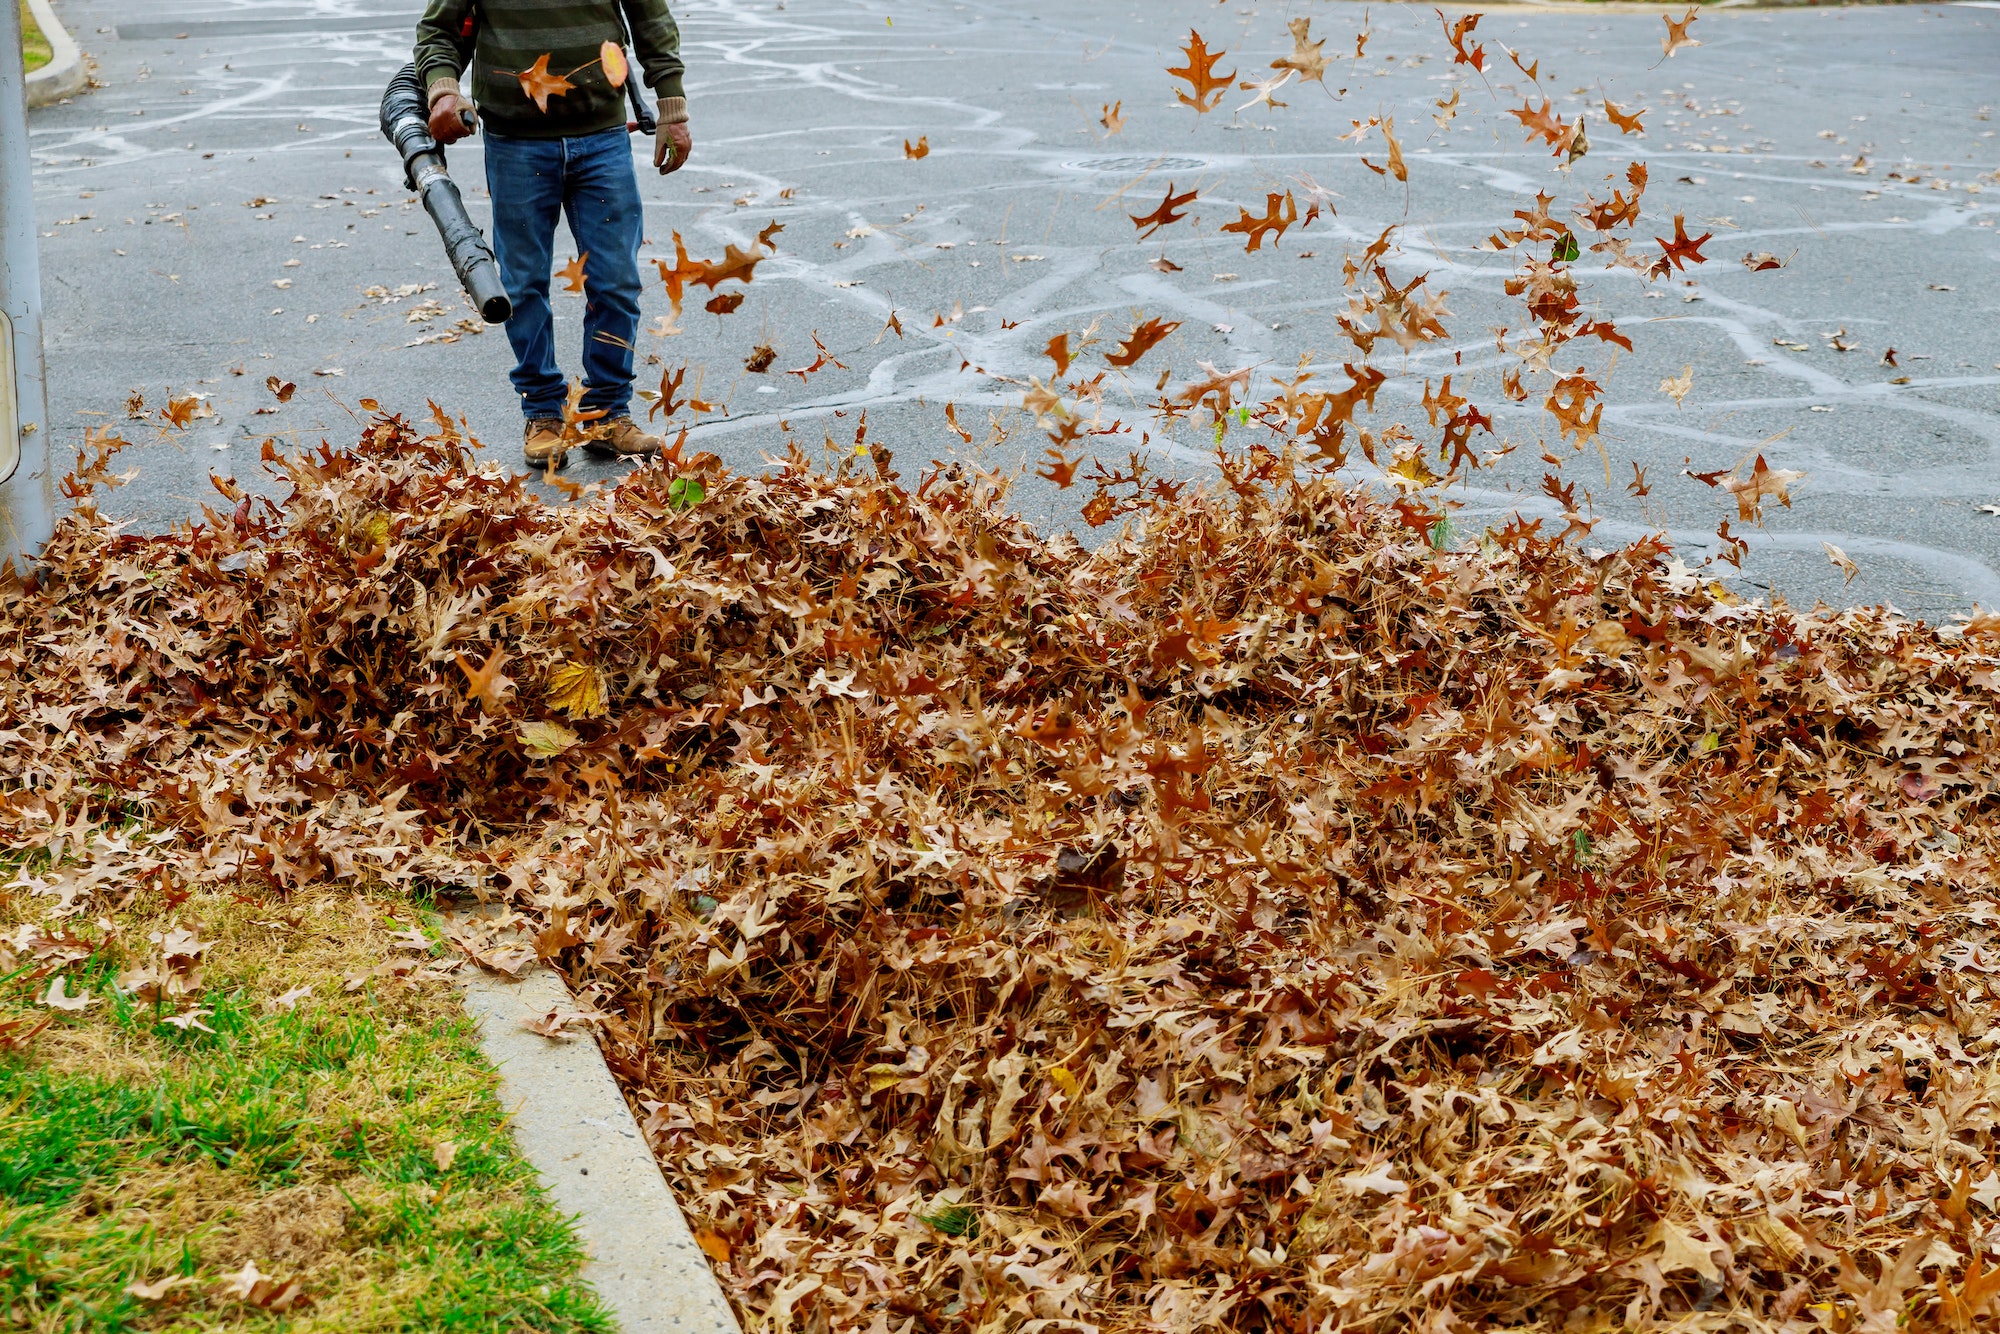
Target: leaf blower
(404, 124)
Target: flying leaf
(1763, 480)
(724, 304)
(1396, 167)
(1139, 342)
(920, 149)
(539, 85)
(1677, 388)
(737, 264)
(180, 411)
(612, 57)
(1447, 109)
(1165, 214)
(1846, 566)
(1627, 123)
(1762, 260)
(1677, 33)
(283, 389)
(572, 273)
(1059, 470)
(1058, 352)
(951, 420)
(1199, 73)
(819, 363)
(1307, 59)
(1280, 212)
(1043, 401)
(1456, 33)
(1113, 119)
(1680, 251)
(1264, 91)
(1568, 399)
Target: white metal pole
(27, 482)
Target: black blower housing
(405, 124)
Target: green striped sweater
(498, 39)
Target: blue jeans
(590, 179)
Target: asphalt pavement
(223, 210)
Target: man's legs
(525, 177)
(601, 197)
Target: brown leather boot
(620, 437)
(542, 441)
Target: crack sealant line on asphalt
(571, 1121)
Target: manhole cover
(1124, 166)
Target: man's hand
(452, 118)
(671, 146)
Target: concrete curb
(572, 1123)
(64, 75)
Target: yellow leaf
(1064, 1080)
(577, 689)
(612, 57)
(884, 1076)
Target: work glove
(671, 142)
(453, 116)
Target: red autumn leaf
(1680, 251)
(1280, 212)
(1542, 122)
(1059, 470)
(1143, 338)
(1456, 33)
(819, 363)
(1165, 213)
(1199, 73)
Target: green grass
(306, 1141)
(35, 51)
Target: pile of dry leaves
(1268, 921)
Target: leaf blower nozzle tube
(405, 124)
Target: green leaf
(685, 493)
(1565, 249)
(954, 1220)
